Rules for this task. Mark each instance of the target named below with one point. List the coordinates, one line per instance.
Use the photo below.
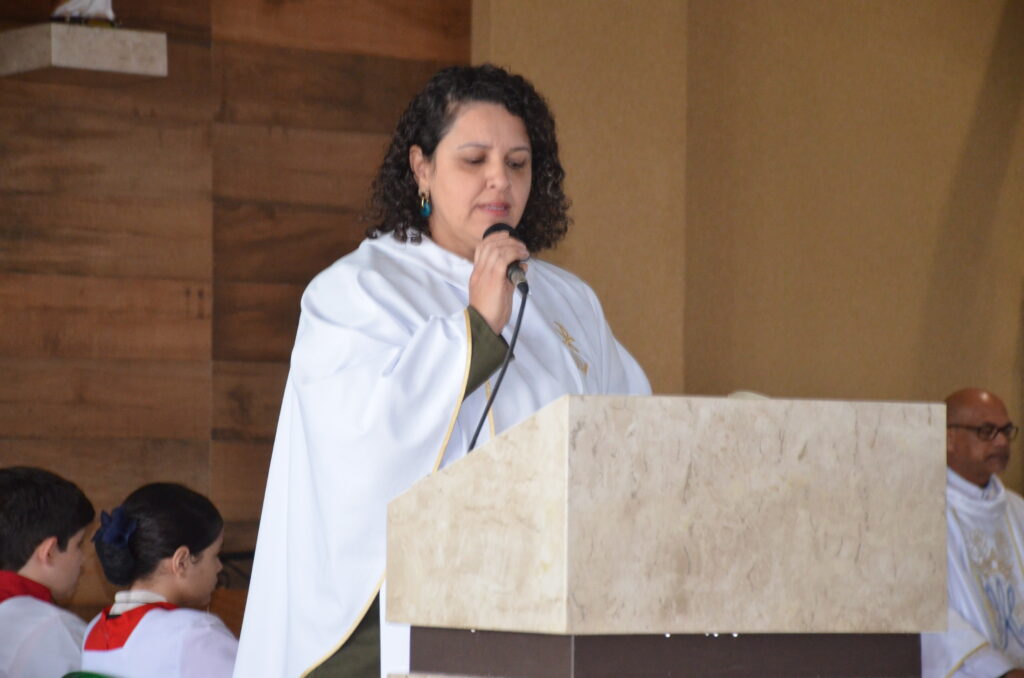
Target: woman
(395, 344)
(162, 544)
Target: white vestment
(986, 584)
(178, 643)
(38, 639)
(373, 403)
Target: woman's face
(202, 576)
(479, 176)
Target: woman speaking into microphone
(395, 355)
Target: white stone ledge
(57, 46)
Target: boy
(42, 525)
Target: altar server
(391, 369)
(163, 544)
(985, 524)
(43, 519)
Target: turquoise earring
(425, 208)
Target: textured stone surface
(674, 514)
(88, 48)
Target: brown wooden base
(529, 655)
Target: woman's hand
(490, 291)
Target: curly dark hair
(394, 205)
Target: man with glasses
(985, 523)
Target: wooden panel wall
(106, 263)
(156, 235)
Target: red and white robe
(158, 639)
(37, 638)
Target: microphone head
(498, 228)
(516, 275)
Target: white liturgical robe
(38, 639)
(986, 584)
(155, 640)
(374, 402)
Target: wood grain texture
(274, 242)
(247, 400)
(426, 29)
(240, 535)
(50, 398)
(19, 12)
(238, 478)
(108, 470)
(60, 152)
(188, 17)
(116, 237)
(229, 605)
(94, 591)
(290, 87)
(156, 235)
(81, 79)
(296, 166)
(185, 94)
(92, 317)
(255, 321)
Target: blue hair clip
(115, 527)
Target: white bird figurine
(85, 9)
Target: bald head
(969, 399)
(967, 453)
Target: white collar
(129, 600)
(992, 490)
(427, 253)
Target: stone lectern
(679, 536)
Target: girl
(163, 544)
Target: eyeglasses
(990, 431)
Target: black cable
(523, 289)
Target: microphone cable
(523, 288)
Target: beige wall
(855, 196)
(849, 176)
(620, 106)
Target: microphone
(517, 276)
(515, 272)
